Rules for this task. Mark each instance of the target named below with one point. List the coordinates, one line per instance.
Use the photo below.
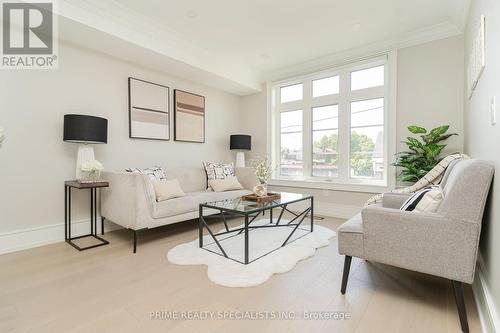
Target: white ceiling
(249, 41)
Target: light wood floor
(108, 289)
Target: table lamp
(240, 143)
(85, 130)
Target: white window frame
(344, 182)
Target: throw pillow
(167, 189)
(227, 184)
(412, 201)
(218, 170)
(153, 173)
(431, 201)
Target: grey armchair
(444, 243)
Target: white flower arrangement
(263, 170)
(92, 166)
(91, 171)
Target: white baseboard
(488, 315)
(33, 237)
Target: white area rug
(229, 273)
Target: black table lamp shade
(240, 142)
(81, 128)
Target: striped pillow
(412, 202)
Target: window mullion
(344, 130)
(307, 130)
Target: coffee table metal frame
(250, 216)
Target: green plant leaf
(439, 130)
(414, 142)
(417, 129)
(427, 138)
(409, 178)
(443, 137)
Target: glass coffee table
(238, 239)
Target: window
(326, 86)
(367, 139)
(291, 93)
(367, 78)
(325, 141)
(332, 126)
(291, 143)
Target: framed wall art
(189, 117)
(477, 58)
(149, 113)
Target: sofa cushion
(431, 201)
(223, 185)
(413, 201)
(351, 237)
(218, 170)
(153, 173)
(168, 189)
(190, 202)
(190, 179)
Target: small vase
(260, 190)
(90, 176)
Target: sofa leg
(458, 291)
(102, 225)
(135, 241)
(345, 276)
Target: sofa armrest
(394, 199)
(424, 242)
(128, 200)
(247, 178)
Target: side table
(68, 185)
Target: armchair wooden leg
(458, 290)
(345, 276)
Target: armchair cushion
(351, 237)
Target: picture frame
(477, 57)
(189, 117)
(149, 110)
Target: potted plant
(423, 154)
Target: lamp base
(85, 154)
(240, 159)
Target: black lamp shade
(81, 128)
(240, 142)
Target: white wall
(430, 93)
(430, 89)
(34, 161)
(482, 140)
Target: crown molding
(113, 19)
(422, 36)
(189, 61)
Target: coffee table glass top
(238, 205)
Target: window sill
(375, 187)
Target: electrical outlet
(493, 111)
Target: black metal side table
(68, 185)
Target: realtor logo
(28, 35)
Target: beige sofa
(130, 199)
